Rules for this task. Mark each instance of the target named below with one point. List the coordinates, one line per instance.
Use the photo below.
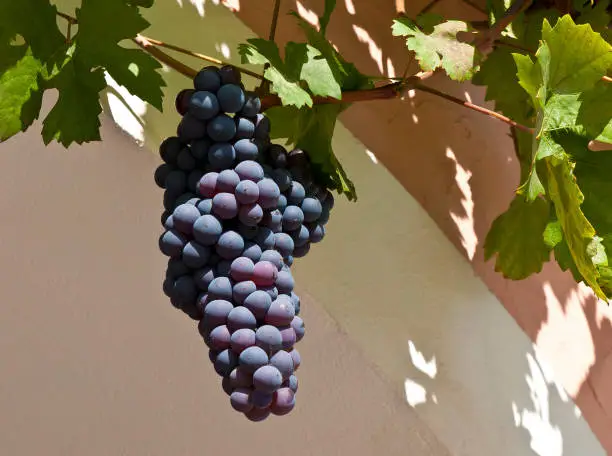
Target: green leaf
(98, 45)
(75, 116)
(318, 75)
(330, 5)
(595, 103)
(517, 237)
(596, 15)
(440, 48)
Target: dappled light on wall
(126, 110)
(416, 394)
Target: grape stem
(265, 85)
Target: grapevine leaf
(142, 3)
(596, 15)
(595, 103)
(98, 45)
(319, 76)
(285, 81)
(517, 236)
(330, 5)
(75, 116)
(440, 48)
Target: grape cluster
(238, 209)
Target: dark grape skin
(246, 150)
(195, 255)
(252, 105)
(221, 128)
(221, 156)
(207, 229)
(249, 170)
(247, 192)
(242, 290)
(230, 75)
(169, 149)
(161, 173)
(208, 79)
(258, 303)
(252, 358)
(267, 379)
(277, 155)
(191, 128)
(220, 288)
(297, 158)
(200, 148)
(171, 243)
(230, 245)
(231, 98)
(181, 103)
(204, 105)
(225, 206)
(245, 128)
(251, 250)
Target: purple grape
(220, 338)
(216, 312)
(169, 149)
(252, 358)
(185, 289)
(293, 217)
(176, 182)
(239, 399)
(289, 337)
(207, 229)
(312, 208)
(268, 193)
(208, 185)
(282, 178)
(202, 301)
(225, 206)
(328, 202)
(167, 221)
(226, 384)
(243, 289)
(204, 105)
(205, 206)
(264, 273)
(282, 202)
(207, 79)
(251, 250)
(250, 170)
(176, 268)
(324, 218)
(269, 338)
(267, 379)
(200, 148)
(161, 173)
(278, 155)
(203, 277)
(280, 312)
(241, 317)
(212, 355)
(262, 127)
(300, 236)
(283, 402)
(297, 359)
(221, 155)
(284, 282)
(317, 233)
(261, 399)
(250, 214)
(258, 303)
(191, 128)
(295, 300)
(185, 160)
(220, 288)
(242, 339)
(273, 257)
(296, 193)
(239, 378)
(247, 192)
(227, 181)
(265, 238)
(273, 220)
(185, 198)
(221, 128)
(298, 326)
(241, 269)
(223, 268)
(171, 243)
(231, 98)
(184, 217)
(245, 128)
(284, 244)
(292, 383)
(193, 179)
(246, 150)
(195, 255)
(272, 292)
(258, 414)
(301, 251)
(229, 75)
(230, 245)
(252, 105)
(225, 362)
(283, 361)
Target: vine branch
(160, 55)
(265, 85)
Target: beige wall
(407, 351)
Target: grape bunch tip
(237, 210)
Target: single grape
(268, 193)
(268, 338)
(191, 128)
(171, 243)
(298, 326)
(216, 312)
(301, 251)
(220, 288)
(296, 193)
(247, 192)
(282, 202)
(225, 362)
(282, 179)
(176, 268)
(193, 178)
(220, 338)
(202, 300)
(221, 156)
(273, 220)
(169, 149)
(261, 400)
(246, 150)
(239, 399)
(184, 216)
(317, 233)
(208, 185)
(185, 289)
(277, 155)
(265, 238)
(203, 277)
(250, 170)
(283, 401)
(205, 206)
(229, 75)
(324, 217)
(258, 414)
(297, 359)
(231, 98)
(248, 232)
(204, 105)
(200, 148)
(239, 378)
(262, 127)
(295, 300)
(280, 312)
(267, 379)
(284, 244)
(230, 245)
(258, 303)
(181, 102)
(161, 173)
(168, 286)
(252, 358)
(225, 206)
(212, 355)
(245, 128)
(226, 385)
(264, 273)
(242, 339)
(289, 337)
(297, 158)
(167, 221)
(195, 255)
(273, 257)
(241, 317)
(243, 289)
(207, 229)
(175, 183)
(292, 383)
(192, 310)
(251, 251)
(284, 282)
(272, 291)
(208, 79)
(227, 181)
(300, 236)
(241, 269)
(169, 201)
(250, 214)
(283, 361)
(223, 268)
(221, 128)
(252, 105)
(312, 208)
